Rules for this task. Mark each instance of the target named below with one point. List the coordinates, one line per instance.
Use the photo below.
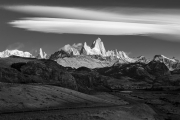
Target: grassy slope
(14, 97)
(18, 97)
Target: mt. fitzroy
(79, 55)
(97, 48)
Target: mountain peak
(97, 48)
(42, 54)
(71, 49)
(96, 43)
(170, 63)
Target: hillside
(18, 97)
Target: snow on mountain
(172, 64)
(142, 59)
(8, 53)
(97, 48)
(71, 49)
(42, 54)
(121, 55)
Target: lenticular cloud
(74, 26)
(109, 21)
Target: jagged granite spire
(97, 48)
(42, 55)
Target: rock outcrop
(42, 54)
(70, 49)
(142, 59)
(97, 48)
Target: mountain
(8, 53)
(97, 48)
(172, 64)
(93, 56)
(84, 61)
(41, 55)
(142, 59)
(60, 54)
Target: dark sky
(50, 42)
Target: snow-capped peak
(170, 63)
(42, 54)
(15, 52)
(97, 48)
(163, 58)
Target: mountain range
(15, 52)
(8, 53)
(94, 56)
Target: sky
(138, 27)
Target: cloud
(101, 13)
(75, 26)
(99, 21)
(14, 46)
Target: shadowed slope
(15, 97)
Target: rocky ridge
(93, 56)
(97, 48)
(96, 56)
(42, 55)
(172, 64)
